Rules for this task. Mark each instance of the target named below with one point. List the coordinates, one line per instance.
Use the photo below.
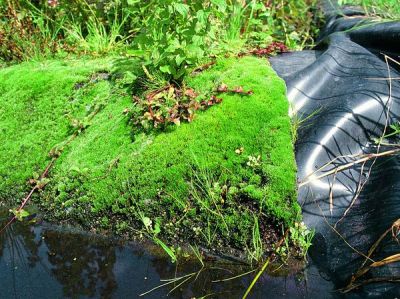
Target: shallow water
(45, 261)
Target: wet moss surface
(228, 179)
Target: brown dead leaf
(176, 121)
(239, 89)
(203, 67)
(388, 260)
(222, 88)
(190, 93)
(395, 229)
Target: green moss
(37, 101)
(259, 124)
(188, 179)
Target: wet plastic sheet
(341, 96)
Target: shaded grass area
(226, 179)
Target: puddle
(45, 261)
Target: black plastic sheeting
(343, 98)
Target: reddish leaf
(273, 48)
(203, 67)
(169, 105)
(190, 93)
(222, 88)
(239, 89)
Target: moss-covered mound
(227, 178)
(37, 103)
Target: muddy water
(45, 261)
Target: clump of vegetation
(168, 105)
(177, 36)
(202, 181)
(386, 8)
(24, 34)
(301, 236)
(169, 35)
(172, 105)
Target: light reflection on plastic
(297, 99)
(370, 104)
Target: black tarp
(343, 101)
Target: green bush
(175, 35)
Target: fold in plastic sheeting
(341, 97)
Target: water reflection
(83, 267)
(43, 261)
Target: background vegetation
(168, 35)
(386, 8)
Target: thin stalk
(257, 277)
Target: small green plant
(395, 132)
(302, 237)
(257, 250)
(153, 231)
(174, 36)
(209, 233)
(299, 120)
(20, 214)
(207, 194)
(283, 251)
(167, 105)
(122, 227)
